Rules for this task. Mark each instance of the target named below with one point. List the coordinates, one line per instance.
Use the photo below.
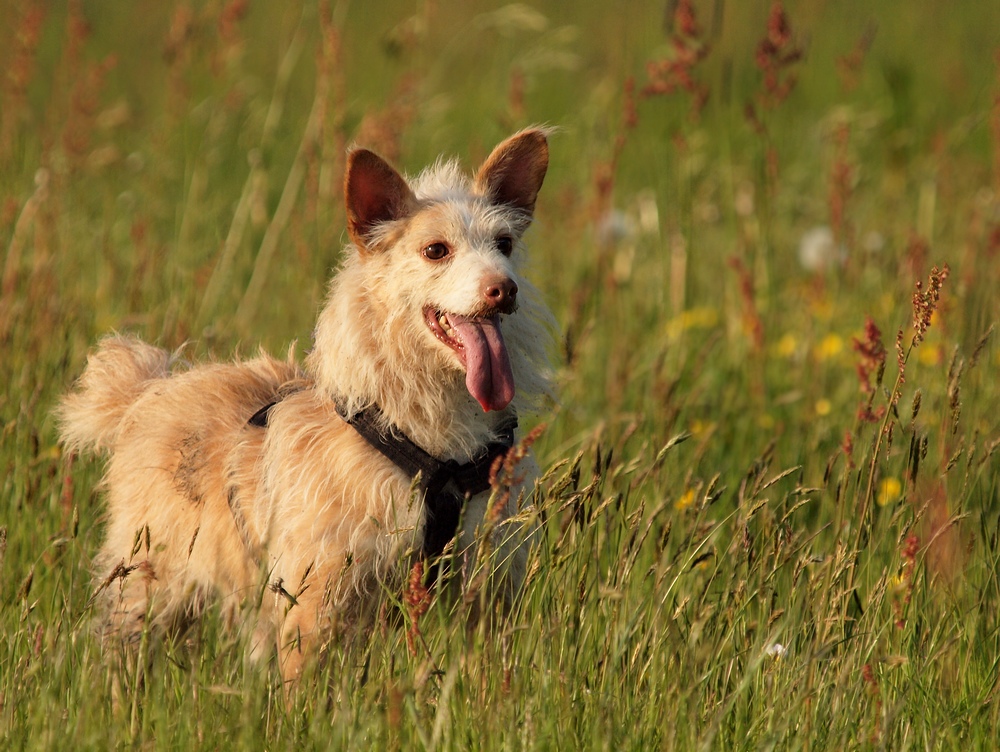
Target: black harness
(446, 484)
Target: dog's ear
(373, 192)
(514, 172)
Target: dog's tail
(90, 417)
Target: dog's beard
(488, 375)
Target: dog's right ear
(373, 193)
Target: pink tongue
(487, 368)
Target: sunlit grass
(745, 454)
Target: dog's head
(449, 246)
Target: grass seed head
(926, 302)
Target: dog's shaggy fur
(204, 504)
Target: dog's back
(170, 439)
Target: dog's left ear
(373, 193)
(514, 172)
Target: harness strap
(470, 478)
(260, 417)
(444, 506)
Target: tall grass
(769, 509)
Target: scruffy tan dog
(324, 480)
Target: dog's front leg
(323, 610)
(303, 612)
(496, 536)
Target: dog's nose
(501, 293)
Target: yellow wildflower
(829, 347)
(702, 317)
(686, 500)
(889, 491)
(787, 346)
(699, 427)
(930, 355)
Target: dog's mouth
(480, 346)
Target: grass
(768, 523)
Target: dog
(296, 492)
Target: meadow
(770, 234)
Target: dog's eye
(505, 244)
(436, 251)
